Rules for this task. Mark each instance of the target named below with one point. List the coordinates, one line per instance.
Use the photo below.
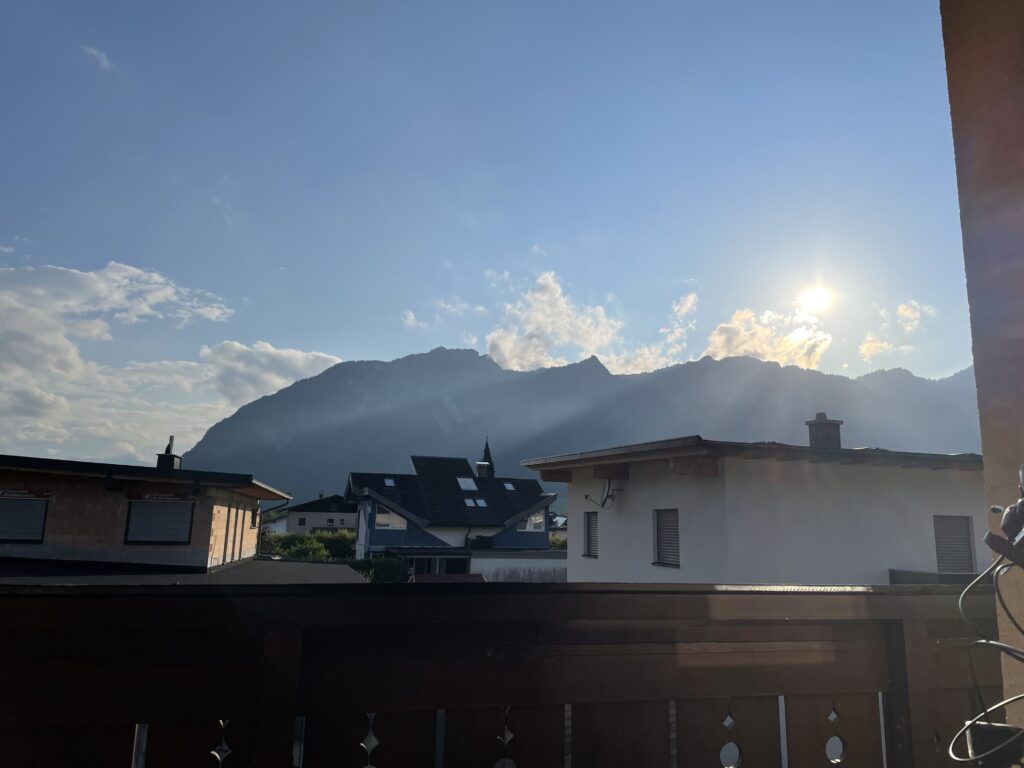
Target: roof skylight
(467, 483)
(470, 502)
(389, 482)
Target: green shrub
(270, 544)
(557, 542)
(307, 549)
(340, 544)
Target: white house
(703, 511)
(326, 513)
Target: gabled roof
(695, 446)
(244, 485)
(333, 503)
(433, 494)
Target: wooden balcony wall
(579, 675)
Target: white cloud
(786, 339)
(498, 279)
(409, 320)
(454, 306)
(242, 373)
(872, 347)
(102, 60)
(52, 394)
(545, 327)
(470, 339)
(544, 324)
(6, 249)
(909, 315)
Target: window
(481, 502)
(302, 521)
(22, 520)
(389, 482)
(470, 502)
(590, 534)
(534, 522)
(509, 487)
(330, 521)
(387, 519)
(666, 537)
(954, 548)
(159, 522)
(467, 483)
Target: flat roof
(246, 485)
(695, 445)
(248, 572)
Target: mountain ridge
(372, 415)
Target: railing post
(278, 697)
(910, 669)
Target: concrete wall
(984, 44)
(86, 521)
(766, 521)
(232, 535)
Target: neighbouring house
(706, 511)
(163, 517)
(447, 519)
(326, 513)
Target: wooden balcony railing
(503, 675)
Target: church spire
(485, 467)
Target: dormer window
(467, 483)
(389, 482)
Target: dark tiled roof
(434, 495)
(333, 503)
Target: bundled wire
(998, 568)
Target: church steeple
(485, 467)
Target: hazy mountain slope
(372, 416)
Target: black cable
(968, 588)
(997, 569)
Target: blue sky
(284, 185)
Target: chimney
(168, 459)
(823, 431)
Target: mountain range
(372, 416)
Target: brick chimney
(168, 459)
(823, 431)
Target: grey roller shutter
(22, 519)
(666, 536)
(953, 547)
(590, 534)
(159, 522)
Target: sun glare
(815, 300)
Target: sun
(815, 300)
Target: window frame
(162, 543)
(588, 515)
(46, 512)
(655, 528)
